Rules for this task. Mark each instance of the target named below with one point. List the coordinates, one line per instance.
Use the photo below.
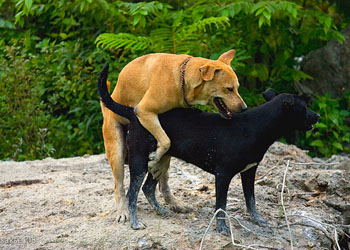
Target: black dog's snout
(317, 117)
(244, 108)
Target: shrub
(331, 134)
(25, 120)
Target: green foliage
(269, 34)
(48, 105)
(331, 134)
(49, 61)
(165, 38)
(23, 129)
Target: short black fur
(221, 147)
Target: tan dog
(154, 84)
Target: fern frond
(163, 39)
(162, 33)
(123, 40)
(219, 22)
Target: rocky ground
(69, 204)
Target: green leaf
(336, 135)
(267, 15)
(136, 20)
(346, 138)
(225, 12)
(317, 143)
(261, 21)
(259, 11)
(337, 145)
(322, 105)
(144, 12)
(28, 4)
(320, 125)
(82, 5)
(257, 6)
(308, 134)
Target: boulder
(330, 68)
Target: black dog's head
(303, 118)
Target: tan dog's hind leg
(175, 205)
(113, 135)
(150, 121)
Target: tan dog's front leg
(151, 122)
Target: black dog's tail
(119, 109)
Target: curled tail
(103, 87)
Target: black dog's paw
(223, 228)
(257, 219)
(137, 225)
(162, 211)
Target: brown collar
(182, 80)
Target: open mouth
(310, 122)
(221, 106)
(309, 126)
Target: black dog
(218, 146)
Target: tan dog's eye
(230, 89)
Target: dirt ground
(69, 204)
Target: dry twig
(284, 209)
(231, 233)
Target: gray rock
(330, 68)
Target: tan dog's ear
(207, 72)
(227, 56)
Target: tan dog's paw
(176, 205)
(153, 156)
(180, 208)
(122, 211)
(122, 216)
(156, 170)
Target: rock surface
(330, 68)
(69, 204)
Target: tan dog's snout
(244, 107)
(235, 103)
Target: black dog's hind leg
(248, 179)
(222, 182)
(134, 188)
(149, 188)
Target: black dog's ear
(288, 103)
(269, 94)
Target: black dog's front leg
(248, 179)
(149, 189)
(221, 185)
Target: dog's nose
(318, 116)
(244, 108)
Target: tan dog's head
(219, 86)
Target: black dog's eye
(230, 89)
